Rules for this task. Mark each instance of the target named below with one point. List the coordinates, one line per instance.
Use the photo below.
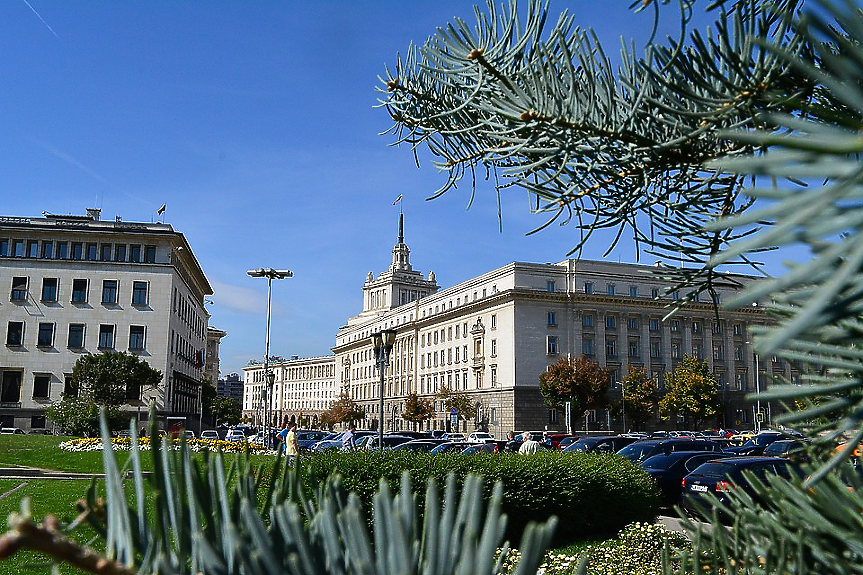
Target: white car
(480, 437)
(11, 431)
(210, 434)
(235, 435)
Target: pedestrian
(511, 444)
(528, 445)
(546, 439)
(349, 439)
(282, 438)
(292, 449)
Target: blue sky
(255, 123)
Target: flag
(398, 199)
(162, 209)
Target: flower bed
(195, 445)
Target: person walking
(292, 449)
(349, 439)
(282, 438)
(511, 444)
(528, 445)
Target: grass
(42, 452)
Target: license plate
(699, 488)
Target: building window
(479, 379)
(738, 329)
(494, 321)
(633, 291)
(655, 350)
(62, 250)
(610, 322)
(695, 296)
(632, 323)
(136, 337)
(109, 291)
(551, 318)
(717, 328)
(135, 253)
(653, 324)
(106, 336)
(634, 348)
(610, 348)
(588, 288)
(4, 248)
(719, 352)
(47, 250)
(19, 288)
(698, 351)
(675, 295)
(150, 254)
(139, 293)
(493, 349)
(675, 325)
(79, 291)
(120, 253)
(15, 333)
(549, 286)
(494, 377)
(10, 388)
(106, 253)
(587, 320)
(19, 248)
(41, 386)
(69, 386)
(654, 293)
(587, 346)
(92, 252)
(609, 289)
(696, 327)
(675, 350)
(551, 344)
(49, 289)
(45, 337)
(33, 249)
(76, 336)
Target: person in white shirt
(528, 446)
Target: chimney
(94, 214)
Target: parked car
(40, 431)
(373, 441)
(794, 449)
(600, 444)
(412, 434)
(210, 434)
(456, 446)
(335, 442)
(235, 435)
(756, 444)
(480, 437)
(454, 437)
(11, 431)
(555, 438)
(490, 447)
(308, 437)
(437, 433)
(417, 445)
(567, 441)
(638, 451)
(722, 476)
(668, 470)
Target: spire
(401, 228)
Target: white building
(302, 388)
(493, 335)
(79, 285)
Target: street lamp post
(266, 396)
(757, 391)
(383, 343)
(623, 403)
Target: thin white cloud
(241, 299)
(50, 29)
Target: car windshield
(637, 451)
(581, 445)
(661, 461)
(714, 469)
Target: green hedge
(592, 495)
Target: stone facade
(79, 285)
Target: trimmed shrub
(592, 495)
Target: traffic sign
(454, 410)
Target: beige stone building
(79, 285)
(493, 335)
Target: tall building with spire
(493, 335)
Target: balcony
(478, 361)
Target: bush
(592, 495)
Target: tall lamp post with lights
(266, 395)
(757, 391)
(383, 343)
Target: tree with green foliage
(580, 381)
(105, 380)
(639, 398)
(460, 400)
(692, 391)
(225, 410)
(417, 408)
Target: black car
(308, 437)
(794, 449)
(756, 444)
(411, 434)
(600, 444)
(418, 445)
(640, 450)
(668, 469)
(722, 476)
